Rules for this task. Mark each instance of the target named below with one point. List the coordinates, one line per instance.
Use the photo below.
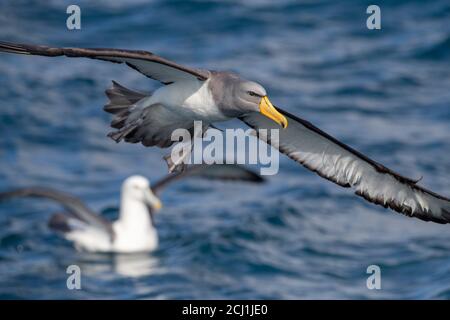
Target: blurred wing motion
(337, 162)
(231, 172)
(75, 207)
(145, 62)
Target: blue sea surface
(384, 92)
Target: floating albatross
(194, 94)
(135, 230)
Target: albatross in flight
(190, 94)
(134, 230)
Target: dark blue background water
(384, 92)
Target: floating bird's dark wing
(145, 62)
(337, 162)
(231, 172)
(73, 205)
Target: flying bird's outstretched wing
(74, 206)
(337, 162)
(145, 62)
(230, 172)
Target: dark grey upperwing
(230, 172)
(73, 205)
(145, 62)
(331, 159)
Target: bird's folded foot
(172, 166)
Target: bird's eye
(252, 94)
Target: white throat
(134, 214)
(134, 228)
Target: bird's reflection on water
(105, 265)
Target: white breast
(134, 230)
(134, 240)
(191, 98)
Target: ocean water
(384, 92)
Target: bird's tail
(121, 103)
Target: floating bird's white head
(252, 96)
(138, 189)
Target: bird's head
(252, 96)
(138, 189)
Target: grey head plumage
(235, 95)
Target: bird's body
(134, 230)
(168, 108)
(191, 99)
(191, 94)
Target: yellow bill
(267, 109)
(152, 200)
(158, 204)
